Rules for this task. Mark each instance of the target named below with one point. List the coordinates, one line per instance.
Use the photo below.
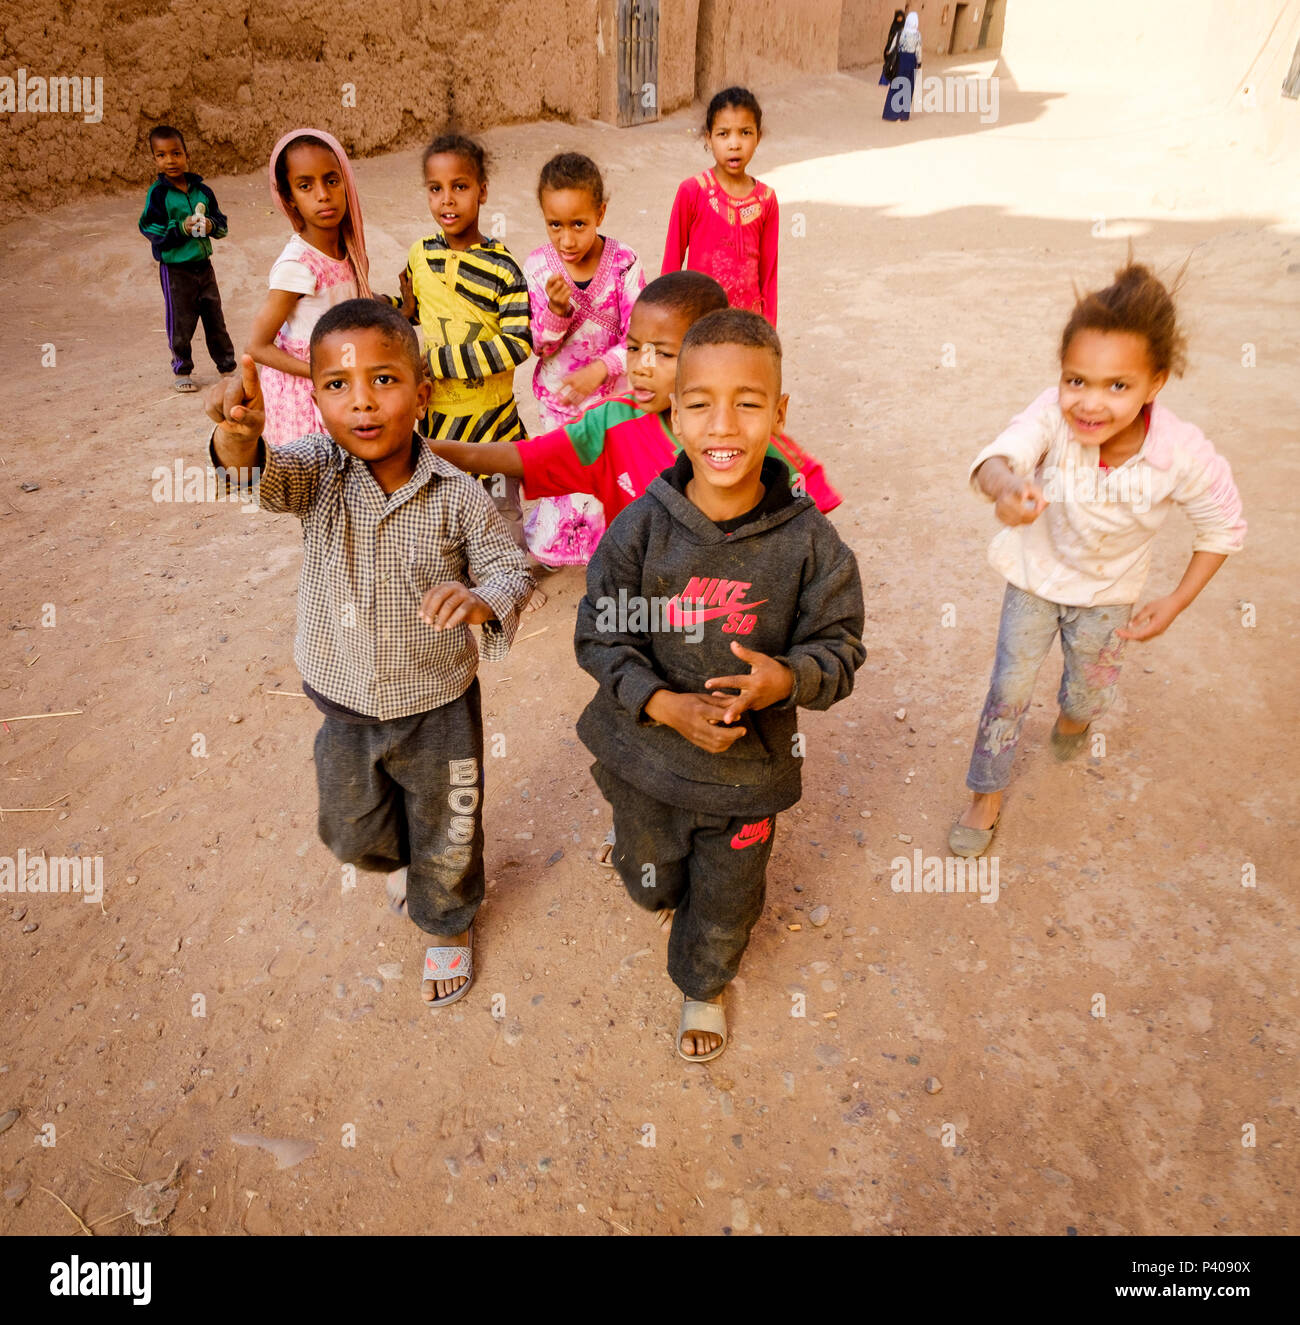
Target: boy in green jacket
(180, 220)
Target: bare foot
(1068, 726)
(982, 812)
(536, 599)
(695, 1043)
(432, 989)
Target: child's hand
(235, 405)
(768, 682)
(696, 717)
(576, 387)
(1152, 619)
(453, 604)
(557, 294)
(408, 294)
(1020, 501)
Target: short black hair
(572, 170)
(733, 326)
(166, 131)
(458, 144)
(733, 98)
(368, 315)
(690, 294)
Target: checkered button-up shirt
(368, 559)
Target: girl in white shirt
(1083, 479)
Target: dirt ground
(921, 296)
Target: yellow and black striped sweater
(472, 306)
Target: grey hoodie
(783, 583)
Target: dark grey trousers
(189, 294)
(711, 869)
(410, 792)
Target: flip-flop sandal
(395, 887)
(697, 1016)
(447, 964)
(971, 842)
(184, 385)
(605, 856)
(1065, 745)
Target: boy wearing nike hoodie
(718, 563)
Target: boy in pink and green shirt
(616, 448)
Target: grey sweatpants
(710, 869)
(410, 792)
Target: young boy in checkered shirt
(393, 539)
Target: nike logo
(676, 615)
(752, 833)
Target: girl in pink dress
(324, 263)
(724, 222)
(581, 288)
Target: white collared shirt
(1091, 547)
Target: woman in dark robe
(891, 49)
(898, 100)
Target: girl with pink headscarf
(322, 264)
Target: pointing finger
(248, 374)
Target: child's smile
(1106, 379)
(726, 408)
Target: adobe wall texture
(235, 74)
(757, 41)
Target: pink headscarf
(354, 234)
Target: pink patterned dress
(322, 282)
(564, 531)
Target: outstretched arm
(481, 457)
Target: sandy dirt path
(919, 309)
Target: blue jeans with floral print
(1029, 625)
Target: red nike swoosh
(691, 616)
(752, 833)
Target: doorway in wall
(638, 61)
(957, 21)
(988, 19)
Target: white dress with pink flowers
(322, 282)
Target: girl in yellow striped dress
(471, 300)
